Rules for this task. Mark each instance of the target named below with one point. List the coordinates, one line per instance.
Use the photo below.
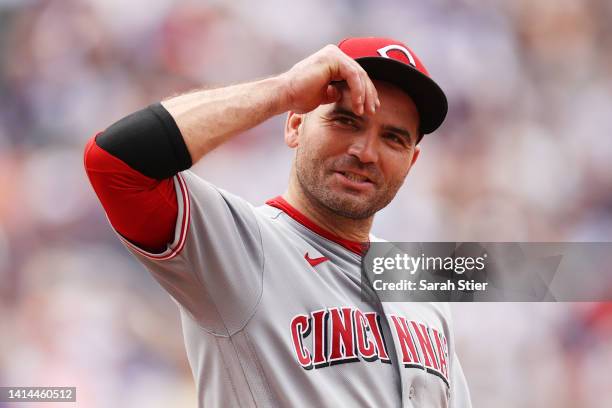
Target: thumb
(332, 94)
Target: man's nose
(365, 147)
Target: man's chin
(350, 204)
(339, 198)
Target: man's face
(354, 165)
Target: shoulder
(207, 193)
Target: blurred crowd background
(525, 155)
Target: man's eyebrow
(339, 110)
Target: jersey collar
(279, 202)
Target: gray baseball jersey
(272, 313)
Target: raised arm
(131, 164)
(208, 118)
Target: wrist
(280, 85)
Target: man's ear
(293, 128)
(415, 155)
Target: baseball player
(269, 296)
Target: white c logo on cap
(384, 50)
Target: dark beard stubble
(311, 180)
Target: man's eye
(346, 121)
(394, 138)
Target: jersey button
(411, 393)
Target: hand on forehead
(397, 108)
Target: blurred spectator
(523, 156)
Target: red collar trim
(279, 202)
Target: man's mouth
(354, 180)
(358, 178)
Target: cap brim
(428, 97)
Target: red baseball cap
(389, 60)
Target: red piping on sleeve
(180, 237)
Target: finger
(356, 87)
(375, 97)
(371, 94)
(362, 99)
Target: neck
(343, 227)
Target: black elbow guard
(149, 141)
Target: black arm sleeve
(149, 141)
